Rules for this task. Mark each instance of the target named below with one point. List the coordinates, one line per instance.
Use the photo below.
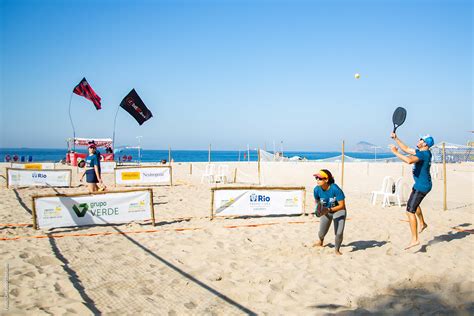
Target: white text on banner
(79, 210)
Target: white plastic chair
(387, 184)
(208, 174)
(397, 194)
(222, 173)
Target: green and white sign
(80, 210)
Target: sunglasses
(319, 178)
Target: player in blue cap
(421, 158)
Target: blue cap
(428, 139)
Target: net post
(342, 163)
(445, 206)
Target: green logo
(80, 209)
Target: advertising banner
(258, 201)
(107, 166)
(143, 175)
(91, 209)
(35, 177)
(33, 165)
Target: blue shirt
(330, 197)
(92, 161)
(421, 171)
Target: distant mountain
(366, 147)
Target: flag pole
(73, 129)
(115, 122)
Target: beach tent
(74, 157)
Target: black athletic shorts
(91, 177)
(414, 200)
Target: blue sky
(233, 73)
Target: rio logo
(259, 198)
(39, 175)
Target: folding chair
(397, 194)
(222, 172)
(387, 184)
(208, 173)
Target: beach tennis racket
(81, 164)
(398, 117)
(320, 210)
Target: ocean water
(150, 155)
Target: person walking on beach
(330, 206)
(92, 170)
(421, 158)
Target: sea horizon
(185, 155)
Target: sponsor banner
(34, 177)
(258, 202)
(107, 166)
(143, 175)
(33, 165)
(79, 210)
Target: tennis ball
(357, 76)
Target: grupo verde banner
(258, 201)
(143, 175)
(91, 209)
(37, 177)
(33, 165)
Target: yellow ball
(357, 76)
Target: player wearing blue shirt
(92, 170)
(330, 206)
(421, 158)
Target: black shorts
(414, 200)
(91, 176)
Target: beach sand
(188, 264)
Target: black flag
(135, 107)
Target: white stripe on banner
(107, 166)
(113, 207)
(32, 177)
(147, 175)
(258, 202)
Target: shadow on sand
(450, 236)
(409, 299)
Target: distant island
(366, 147)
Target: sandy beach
(189, 265)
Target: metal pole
(259, 172)
(115, 122)
(342, 172)
(139, 149)
(73, 129)
(209, 156)
(445, 204)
